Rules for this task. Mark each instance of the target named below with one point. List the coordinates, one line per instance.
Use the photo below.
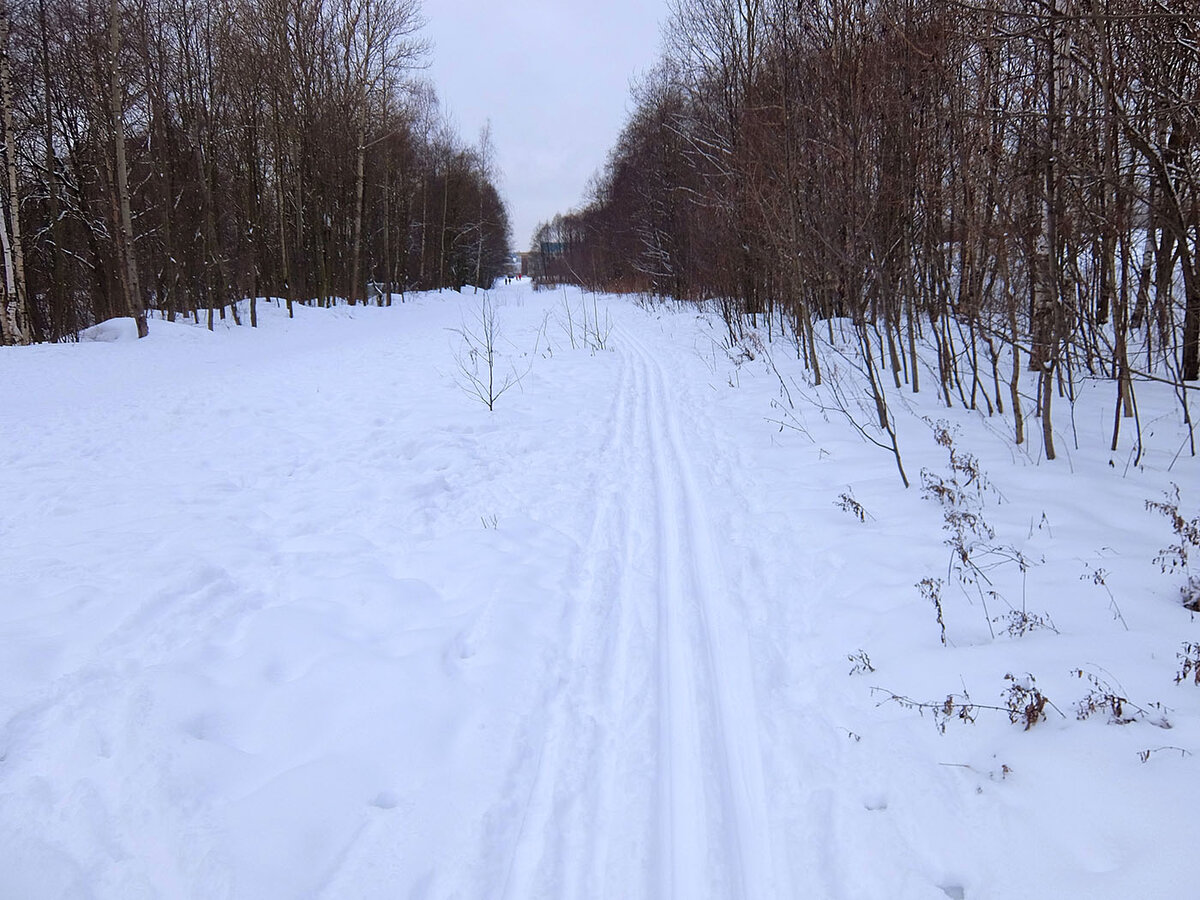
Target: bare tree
(130, 281)
(14, 310)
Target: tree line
(1016, 178)
(178, 156)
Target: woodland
(177, 156)
(1017, 181)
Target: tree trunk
(1046, 392)
(14, 327)
(1191, 318)
(359, 187)
(127, 252)
(388, 275)
(442, 242)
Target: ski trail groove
(716, 801)
(647, 779)
(559, 847)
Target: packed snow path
(287, 613)
(652, 745)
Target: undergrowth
(1189, 659)
(1024, 704)
(1103, 697)
(962, 493)
(1175, 556)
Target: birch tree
(14, 310)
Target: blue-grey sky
(553, 77)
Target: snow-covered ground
(288, 613)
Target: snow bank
(111, 331)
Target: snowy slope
(287, 613)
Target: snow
(110, 330)
(286, 612)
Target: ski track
(652, 738)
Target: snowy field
(288, 613)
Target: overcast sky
(553, 77)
